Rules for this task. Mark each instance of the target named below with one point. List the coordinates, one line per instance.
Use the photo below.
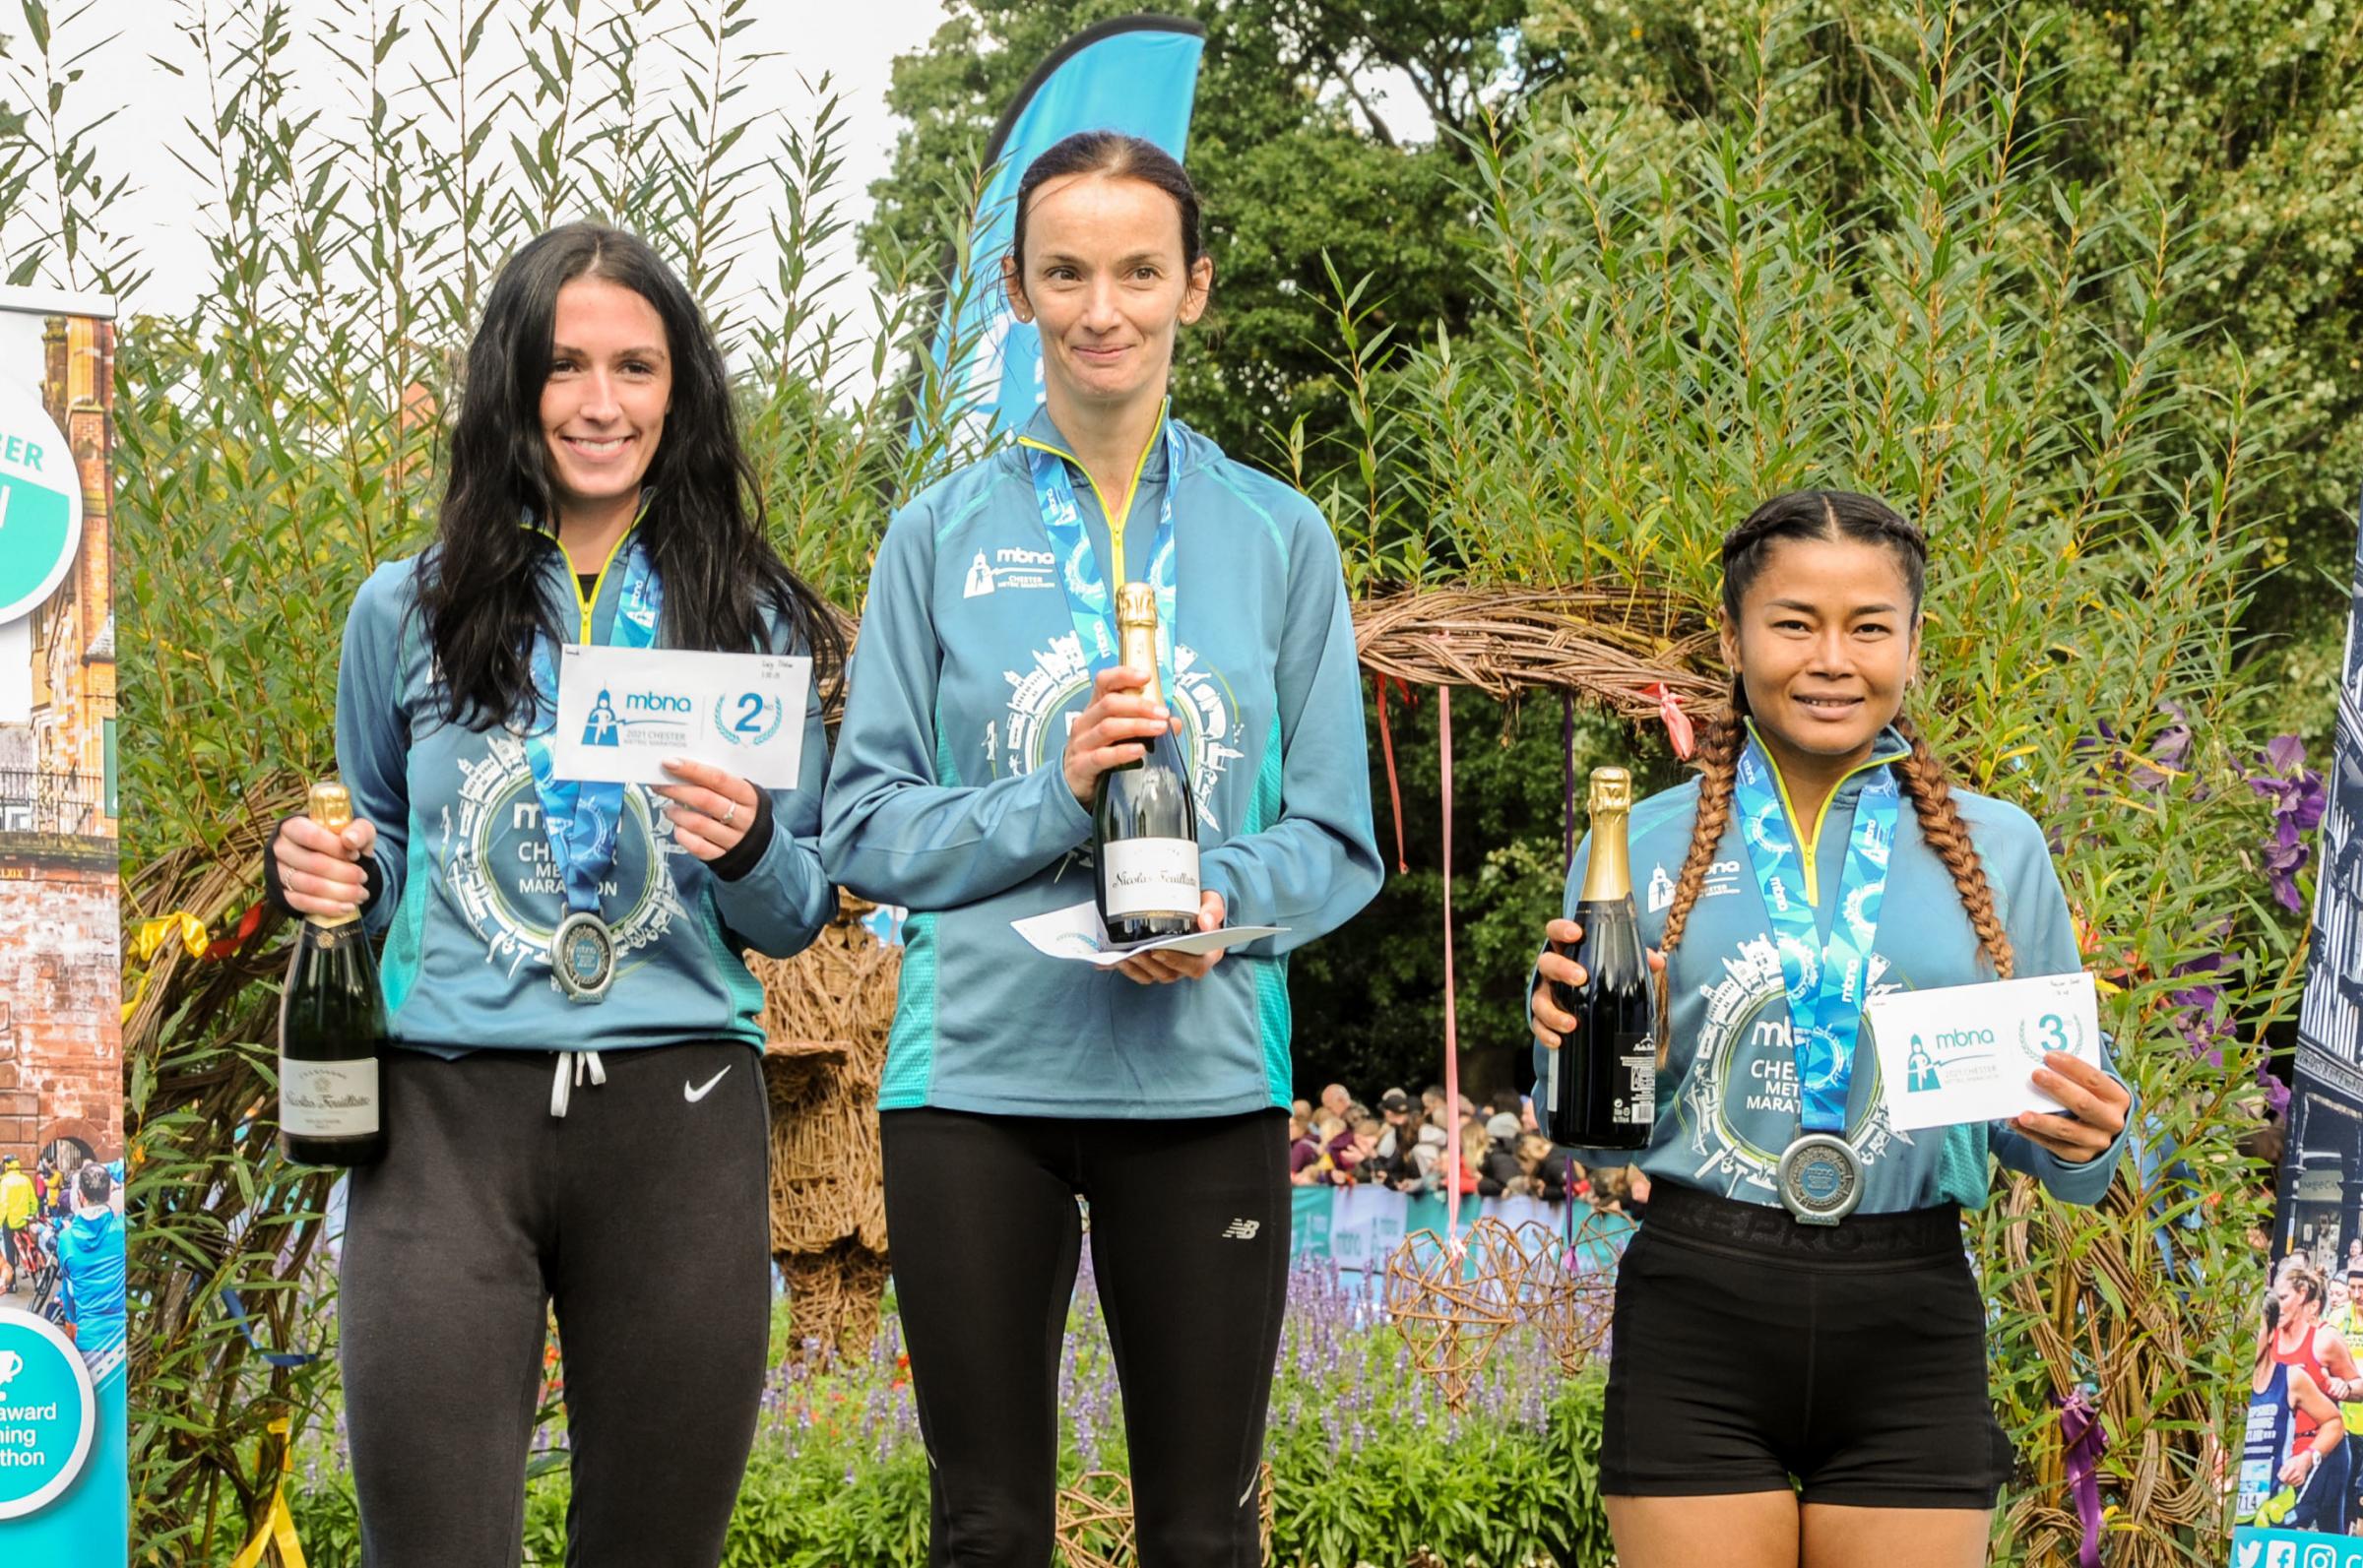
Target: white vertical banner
(64, 1488)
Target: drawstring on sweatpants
(573, 1068)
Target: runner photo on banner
(2295, 1476)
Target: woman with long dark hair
(977, 729)
(1790, 1382)
(562, 967)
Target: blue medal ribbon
(584, 820)
(1826, 983)
(1087, 599)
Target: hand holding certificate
(623, 711)
(2022, 1051)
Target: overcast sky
(854, 44)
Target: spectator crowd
(1342, 1141)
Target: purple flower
(2204, 1022)
(2299, 796)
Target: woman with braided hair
(1787, 1385)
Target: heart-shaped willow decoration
(1453, 1304)
(1568, 1291)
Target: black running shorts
(1752, 1353)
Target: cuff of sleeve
(275, 891)
(1072, 814)
(1211, 880)
(734, 863)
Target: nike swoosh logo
(693, 1096)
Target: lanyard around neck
(1826, 983)
(1088, 604)
(583, 821)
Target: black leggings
(1189, 1243)
(486, 1211)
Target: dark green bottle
(1601, 1088)
(1144, 822)
(332, 1031)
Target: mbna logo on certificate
(623, 712)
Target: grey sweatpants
(642, 1215)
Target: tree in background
(2239, 114)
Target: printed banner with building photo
(64, 1496)
(2296, 1470)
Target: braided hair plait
(1942, 828)
(1718, 770)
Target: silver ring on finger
(731, 814)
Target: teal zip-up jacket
(468, 897)
(947, 796)
(1727, 1101)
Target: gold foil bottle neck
(330, 804)
(1136, 605)
(1608, 874)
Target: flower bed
(1369, 1466)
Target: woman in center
(985, 705)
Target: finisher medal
(583, 954)
(1820, 1179)
(1821, 1175)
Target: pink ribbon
(1443, 735)
(1677, 723)
(2085, 1440)
(1387, 743)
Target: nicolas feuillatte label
(1151, 876)
(328, 1099)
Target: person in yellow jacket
(18, 1200)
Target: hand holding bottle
(1551, 1024)
(1107, 733)
(320, 868)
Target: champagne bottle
(331, 1029)
(1602, 1086)
(1144, 822)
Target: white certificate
(623, 711)
(1076, 933)
(1967, 1054)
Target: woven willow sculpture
(1453, 1304)
(1609, 645)
(1568, 1289)
(825, 1019)
(2103, 1307)
(1093, 1523)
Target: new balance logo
(1242, 1230)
